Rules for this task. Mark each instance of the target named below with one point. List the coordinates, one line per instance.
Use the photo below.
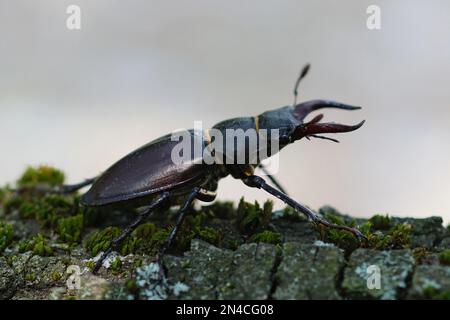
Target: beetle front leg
(258, 182)
(272, 178)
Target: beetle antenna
(322, 137)
(303, 73)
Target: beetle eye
(285, 139)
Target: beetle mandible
(148, 176)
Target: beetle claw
(358, 234)
(99, 262)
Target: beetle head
(315, 127)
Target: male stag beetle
(149, 177)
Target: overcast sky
(136, 70)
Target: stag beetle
(148, 176)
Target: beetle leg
(180, 218)
(127, 231)
(272, 178)
(70, 188)
(258, 182)
(64, 189)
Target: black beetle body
(148, 176)
(149, 170)
(141, 174)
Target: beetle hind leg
(71, 188)
(126, 232)
(64, 189)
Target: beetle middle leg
(258, 182)
(161, 273)
(180, 218)
(127, 231)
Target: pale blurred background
(82, 99)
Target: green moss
(340, 220)
(137, 263)
(34, 176)
(266, 237)
(197, 219)
(90, 265)
(132, 286)
(398, 237)
(46, 210)
(38, 245)
(433, 293)
(420, 254)
(251, 218)
(30, 277)
(181, 243)
(150, 238)
(2, 195)
(380, 222)
(366, 228)
(146, 239)
(55, 276)
(116, 265)
(128, 246)
(343, 239)
(6, 235)
(13, 203)
(69, 229)
(101, 241)
(444, 257)
(5, 194)
(11, 259)
(52, 207)
(145, 231)
(233, 244)
(208, 234)
(221, 209)
(157, 239)
(291, 214)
